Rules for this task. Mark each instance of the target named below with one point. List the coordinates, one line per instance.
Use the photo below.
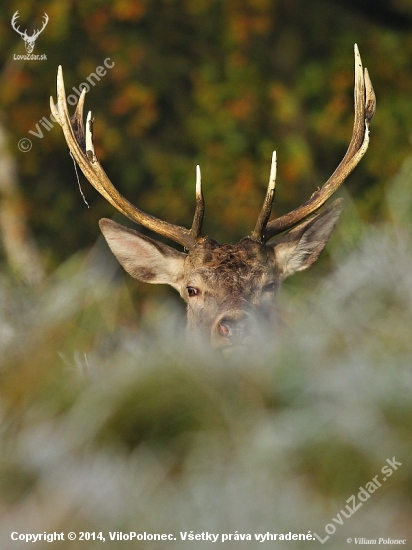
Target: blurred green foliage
(106, 426)
(212, 82)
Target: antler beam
(80, 142)
(365, 105)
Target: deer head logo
(29, 41)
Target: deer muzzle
(231, 329)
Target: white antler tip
(89, 135)
(357, 55)
(198, 181)
(273, 167)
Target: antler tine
(257, 233)
(365, 104)
(46, 20)
(13, 24)
(200, 207)
(80, 143)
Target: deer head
(228, 288)
(29, 41)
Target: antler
(80, 142)
(24, 34)
(365, 104)
(13, 24)
(46, 20)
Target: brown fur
(229, 289)
(231, 279)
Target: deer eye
(192, 291)
(271, 287)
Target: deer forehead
(236, 264)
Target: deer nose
(234, 327)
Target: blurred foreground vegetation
(109, 427)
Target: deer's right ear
(301, 247)
(143, 258)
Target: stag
(29, 41)
(229, 289)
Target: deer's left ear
(144, 258)
(301, 247)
